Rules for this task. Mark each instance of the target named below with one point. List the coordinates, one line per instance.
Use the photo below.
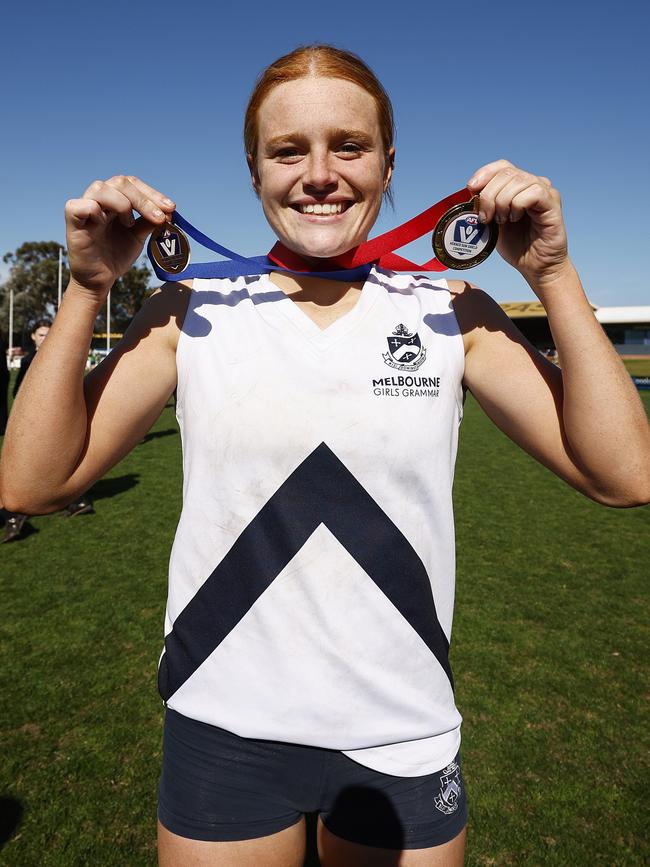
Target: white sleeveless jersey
(312, 573)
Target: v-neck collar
(320, 337)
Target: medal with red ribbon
(459, 241)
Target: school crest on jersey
(450, 789)
(405, 350)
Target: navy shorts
(218, 786)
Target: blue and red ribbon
(353, 265)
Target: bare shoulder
(477, 312)
(162, 315)
(149, 343)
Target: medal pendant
(170, 248)
(459, 240)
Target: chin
(322, 253)
(320, 249)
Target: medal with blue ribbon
(459, 241)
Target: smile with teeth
(326, 209)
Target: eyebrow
(356, 134)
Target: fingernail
(157, 213)
(168, 201)
(472, 181)
(482, 216)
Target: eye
(350, 147)
(287, 154)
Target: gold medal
(170, 248)
(460, 240)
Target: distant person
(40, 331)
(4, 389)
(15, 521)
(4, 385)
(4, 393)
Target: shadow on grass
(155, 435)
(105, 488)
(11, 814)
(27, 530)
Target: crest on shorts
(451, 787)
(405, 350)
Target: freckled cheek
(273, 201)
(277, 194)
(373, 184)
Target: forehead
(317, 101)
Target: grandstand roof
(623, 315)
(605, 315)
(523, 309)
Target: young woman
(311, 579)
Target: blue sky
(159, 89)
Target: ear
(388, 168)
(255, 178)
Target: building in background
(627, 327)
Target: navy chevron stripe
(320, 490)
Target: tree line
(33, 277)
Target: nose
(320, 174)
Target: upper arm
(519, 389)
(126, 393)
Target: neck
(318, 290)
(288, 258)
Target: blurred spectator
(4, 385)
(15, 522)
(39, 333)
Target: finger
(142, 228)
(80, 212)
(504, 210)
(164, 202)
(112, 201)
(484, 175)
(139, 199)
(488, 196)
(536, 197)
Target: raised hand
(103, 237)
(532, 236)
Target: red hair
(326, 61)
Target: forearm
(47, 427)
(604, 420)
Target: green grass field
(638, 366)
(550, 653)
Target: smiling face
(321, 168)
